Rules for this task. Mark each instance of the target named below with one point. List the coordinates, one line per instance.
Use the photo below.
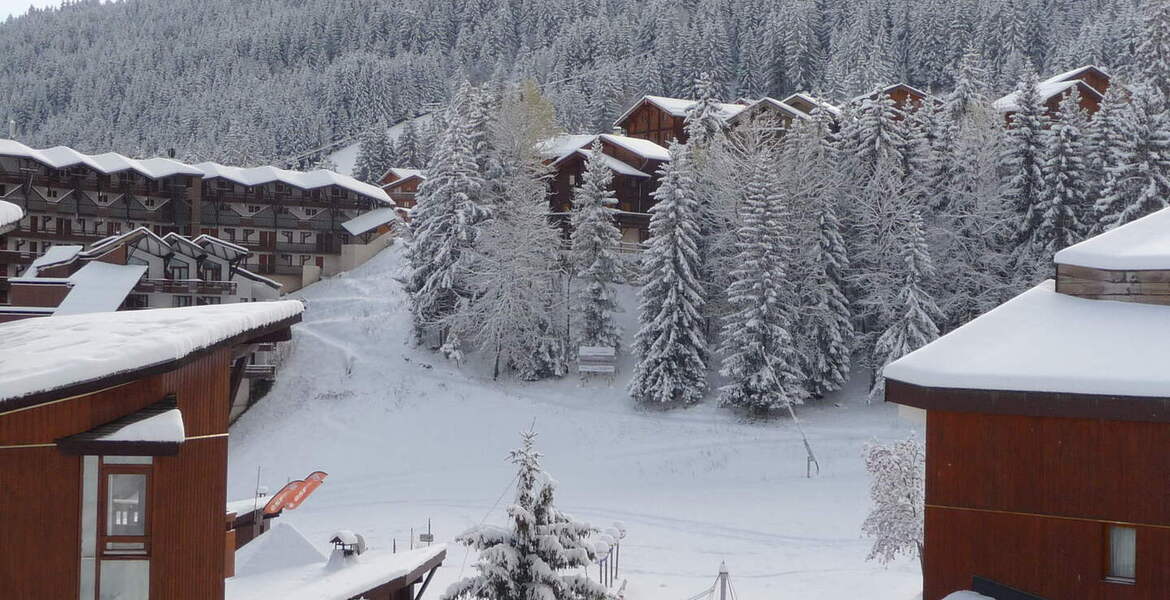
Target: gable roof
(644, 148)
(1046, 90)
(614, 164)
(299, 179)
(57, 357)
(677, 107)
(59, 157)
(808, 98)
(889, 88)
(765, 104)
(1076, 73)
(401, 175)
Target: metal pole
(722, 581)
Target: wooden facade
(402, 187)
(43, 485)
(648, 121)
(1133, 285)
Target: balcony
(185, 286)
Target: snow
(644, 148)
(404, 174)
(780, 105)
(1139, 245)
(305, 180)
(823, 105)
(99, 287)
(1045, 90)
(1073, 74)
(10, 213)
(889, 88)
(333, 580)
(1042, 341)
(407, 437)
(966, 595)
(166, 426)
(677, 107)
(40, 355)
(367, 221)
(345, 158)
(614, 164)
(54, 255)
(562, 145)
(60, 157)
(281, 547)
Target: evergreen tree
(760, 360)
(530, 558)
(703, 121)
(671, 346)
(1063, 202)
(1022, 167)
(828, 323)
(595, 240)
(373, 154)
(408, 151)
(915, 313)
(1137, 167)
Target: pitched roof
(614, 164)
(10, 214)
(808, 98)
(99, 287)
(769, 103)
(677, 107)
(60, 356)
(371, 220)
(59, 157)
(1047, 90)
(644, 148)
(888, 88)
(402, 175)
(1075, 74)
(299, 179)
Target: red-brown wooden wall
(1053, 484)
(40, 487)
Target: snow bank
(282, 547)
(45, 354)
(1138, 245)
(100, 287)
(316, 580)
(10, 213)
(164, 427)
(1042, 341)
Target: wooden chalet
(1045, 424)
(113, 449)
(402, 186)
(660, 119)
(1090, 82)
(634, 162)
(291, 221)
(807, 103)
(135, 270)
(907, 98)
(774, 112)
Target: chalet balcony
(78, 183)
(185, 286)
(271, 269)
(15, 257)
(218, 196)
(255, 244)
(297, 248)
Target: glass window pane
(125, 580)
(1122, 552)
(126, 504)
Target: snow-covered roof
(43, 355)
(1046, 90)
(558, 146)
(259, 278)
(99, 287)
(60, 157)
(822, 104)
(213, 245)
(402, 175)
(644, 148)
(967, 595)
(10, 214)
(677, 107)
(53, 256)
(614, 164)
(321, 580)
(166, 426)
(1043, 341)
(305, 180)
(370, 220)
(888, 88)
(1143, 244)
(772, 103)
(282, 547)
(1075, 74)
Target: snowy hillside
(406, 437)
(346, 157)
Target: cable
(485, 518)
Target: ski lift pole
(812, 458)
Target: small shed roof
(1143, 244)
(42, 359)
(370, 220)
(99, 287)
(1043, 341)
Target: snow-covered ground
(346, 157)
(407, 437)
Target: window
(306, 237)
(136, 301)
(178, 271)
(230, 233)
(312, 212)
(254, 208)
(203, 300)
(3, 190)
(182, 301)
(54, 193)
(1122, 554)
(149, 202)
(125, 505)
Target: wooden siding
(38, 294)
(188, 537)
(1025, 501)
(1143, 286)
(649, 122)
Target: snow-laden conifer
(671, 345)
(594, 254)
(1022, 167)
(374, 152)
(825, 313)
(915, 315)
(1064, 195)
(539, 554)
(760, 360)
(1137, 166)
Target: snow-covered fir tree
(408, 148)
(671, 345)
(760, 360)
(1022, 167)
(446, 223)
(1063, 201)
(375, 153)
(826, 318)
(536, 556)
(915, 314)
(897, 489)
(594, 254)
(703, 120)
(1137, 165)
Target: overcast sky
(18, 7)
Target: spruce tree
(1062, 204)
(1022, 166)
(827, 324)
(671, 345)
(759, 356)
(1138, 163)
(594, 254)
(702, 121)
(915, 313)
(373, 152)
(531, 558)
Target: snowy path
(403, 443)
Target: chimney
(12, 129)
(170, 152)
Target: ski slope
(346, 157)
(407, 437)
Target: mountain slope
(407, 437)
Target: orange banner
(294, 493)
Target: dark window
(182, 301)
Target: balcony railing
(185, 286)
